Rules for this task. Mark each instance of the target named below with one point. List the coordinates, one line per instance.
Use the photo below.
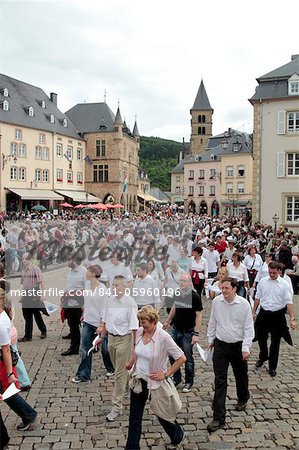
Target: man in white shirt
(118, 268)
(145, 289)
(120, 321)
(274, 296)
(230, 333)
(213, 259)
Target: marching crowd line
(121, 273)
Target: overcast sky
(149, 55)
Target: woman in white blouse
(237, 270)
(252, 262)
(263, 270)
(198, 269)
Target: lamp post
(275, 219)
(86, 197)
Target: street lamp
(86, 197)
(275, 219)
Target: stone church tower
(201, 122)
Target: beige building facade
(276, 146)
(41, 152)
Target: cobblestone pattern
(73, 416)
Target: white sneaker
(112, 416)
(110, 374)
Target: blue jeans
(138, 401)
(183, 340)
(23, 377)
(88, 335)
(106, 355)
(21, 408)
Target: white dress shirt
(231, 322)
(120, 269)
(146, 291)
(253, 262)
(94, 304)
(200, 266)
(212, 259)
(120, 315)
(239, 273)
(273, 294)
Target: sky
(149, 56)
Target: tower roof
(135, 129)
(118, 119)
(201, 102)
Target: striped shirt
(31, 277)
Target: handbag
(165, 401)
(14, 356)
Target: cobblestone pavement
(73, 416)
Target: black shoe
(215, 425)
(26, 388)
(43, 335)
(67, 336)
(259, 363)
(241, 406)
(272, 373)
(24, 339)
(69, 352)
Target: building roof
(21, 96)
(161, 195)
(275, 83)
(227, 143)
(179, 168)
(92, 117)
(135, 129)
(201, 102)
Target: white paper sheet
(94, 344)
(50, 307)
(10, 391)
(206, 355)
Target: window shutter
(280, 164)
(281, 122)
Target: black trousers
(225, 354)
(137, 405)
(28, 314)
(273, 323)
(199, 287)
(73, 316)
(4, 438)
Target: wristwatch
(292, 319)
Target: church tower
(201, 122)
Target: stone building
(276, 146)
(111, 170)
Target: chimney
(53, 98)
(293, 57)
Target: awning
(36, 194)
(178, 199)
(148, 197)
(80, 196)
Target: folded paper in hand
(50, 307)
(10, 391)
(206, 355)
(94, 344)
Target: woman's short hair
(148, 313)
(238, 256)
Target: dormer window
(293, 85)
(5, 92)
(43, 104)
(52, 118)
(236, 146)
(30, 111)
(5, 105)
(64, 123)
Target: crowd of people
(138, 282)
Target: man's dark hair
(233, 282)
(143, 266)
(274, 265)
